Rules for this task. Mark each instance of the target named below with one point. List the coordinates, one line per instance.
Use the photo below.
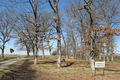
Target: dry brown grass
(72, 69)
(76, 69)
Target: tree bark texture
(28, 53)
(49, 48)
(92, 52)
(57, 21)
(42, 49)
(66, 51)
(58, 33)
(3, 46)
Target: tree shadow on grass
(47, 62)
(68, 64)
(24, 72)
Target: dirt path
(23, 72)
(4, 64)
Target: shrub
(54, 53)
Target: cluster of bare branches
(7, 21)
(97, 23)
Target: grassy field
(72, 69)
(76, 67)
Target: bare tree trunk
(82, 56)
(28, 53)
(111, 47)
(112, 58)
(36, 30)
(85, 47)
(86, 57)
(92, 53)
(101, 51)
(33, 52)
(107, 58)
(103, 55)
(50, 53)
(82, 53)
(92, 61)
(59, 50)
(73, 45)
(100, 56)
(35, 62)
(2, 53)
(66, 52)
(88, 8)
(107, 52)
(100, 47)
(73, 52)
(57, 21)
(49, 48)
(27, 48)
(58, 36)
(42, 49)
(3, 46)
(112, 55)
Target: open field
(72, 69)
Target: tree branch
(51, 5)
(7, 40)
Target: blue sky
(62, 4)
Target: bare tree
(30, 13)
(90, 15)
(46, 21)
(73, 37)
(109, 11)
(7, 22)
(23, 44)
(66, 49)
(79, 18)
(24, 35)
(57, 21)
(48, 35)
